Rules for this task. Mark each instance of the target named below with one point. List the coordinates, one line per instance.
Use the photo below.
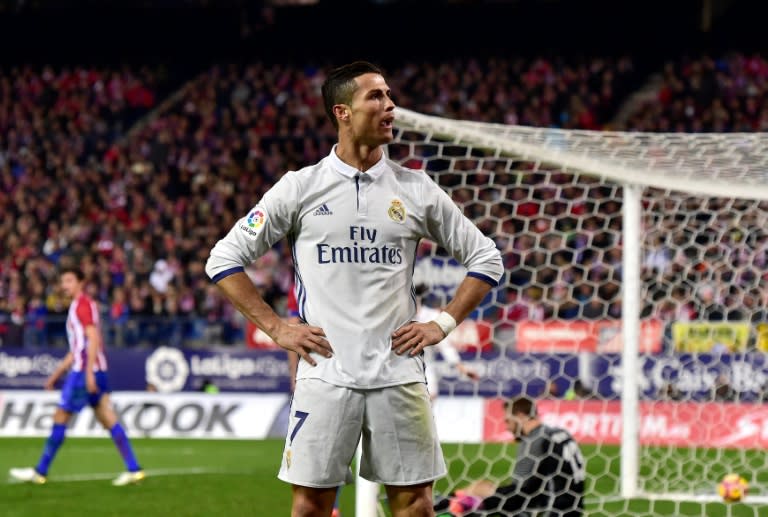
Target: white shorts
(399, 438)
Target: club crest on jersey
(396, 211)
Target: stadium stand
(222, 139)
(720, 93)
(213, 145)
(231, 130)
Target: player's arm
(249, 239)
(449, 228)
(94, 345)
(301, 339)
(510, 498)
(415, 336)
(63, 367)
(505, 496)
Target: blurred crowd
(569, 94)
(139, 210)
(719, 94)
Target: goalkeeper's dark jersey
(548, 478)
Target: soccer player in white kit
(354, 221)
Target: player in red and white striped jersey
(86, 383)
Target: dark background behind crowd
(131, 139)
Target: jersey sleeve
(254, 234)
(459, 236)
(85, 313)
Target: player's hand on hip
(415, 336)
(304, 339)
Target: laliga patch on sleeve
(254, 221)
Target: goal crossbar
(706, 164)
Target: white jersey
(354, 237)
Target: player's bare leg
(107, 417)
(312, 502)
(105, 413)
(410, 501)
(61, 416)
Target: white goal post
(658, 180)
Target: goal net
(633, 305)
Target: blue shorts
(74, 395)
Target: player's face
(372, 111)
(70, 284)
(514, 423)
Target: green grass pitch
(210, 478)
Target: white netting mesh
(552, 201)
(701, 163)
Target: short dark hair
(73, 270)
(521, 405)
(340, 85)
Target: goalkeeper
(548, 477)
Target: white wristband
(446, 322)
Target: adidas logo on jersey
(322, 210)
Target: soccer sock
(124, 446)
(52, 445)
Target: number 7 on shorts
(302, 416)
